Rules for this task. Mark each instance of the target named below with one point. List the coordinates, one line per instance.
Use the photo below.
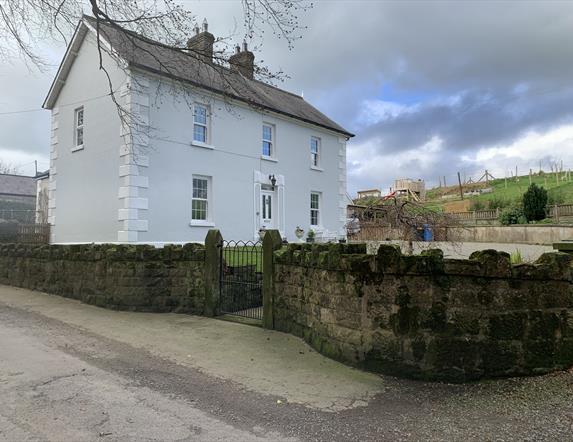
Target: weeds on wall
(516, 257)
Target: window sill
(201, 224)
(267, 158)
(203, 145)
(318, 169)
(76, 148)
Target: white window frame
(317, 209)
(208, 221)
(79, 128)
(206, 125)
(315, 157)
(272, 141)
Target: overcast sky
(430, 88)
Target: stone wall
(516, 234)
(425, 316)
(122, 277)
(519, 234)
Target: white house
(202, 147)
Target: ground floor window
(200, 201)
(314, 208)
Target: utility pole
(461, 188)
(36, 167)
(445, 185)
(486, 178)
(530, 172)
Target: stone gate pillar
(272, 241)
(213, 242)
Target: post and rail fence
(556, 211)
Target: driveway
(70, 371)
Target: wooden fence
(555, 212)
(560, 210)
(476, 215)
(25, 233)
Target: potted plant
(310, 236)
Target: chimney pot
(202, 43)
(205, 25)
(243, 61)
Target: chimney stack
(202, 43)
(243, 61)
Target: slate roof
(17, 185)
(155, 57)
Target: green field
(507, 192)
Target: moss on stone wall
(425, 316)
(122, 277)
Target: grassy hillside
(505, 193)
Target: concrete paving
(50, 395)
(263, 361)
(69, 371)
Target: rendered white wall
(236, 154)
(84, 184)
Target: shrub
(498, 203)
(534, 203)
(512, 215)
(478, 205)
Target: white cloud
(24, 161)
(367, 165)
(374, 111)
(554, 145)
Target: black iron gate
(241, 279)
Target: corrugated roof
(155, 57)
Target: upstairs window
(200, 200)
(79, 127)
(314, 151)
(200, 115)
(314, 208)
(268, 140)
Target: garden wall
(122, 277)
(524, 234)
(425, 316)
(516, 234)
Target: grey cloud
(479, 119)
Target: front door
(267, 211)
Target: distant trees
(7, 168)
(534, 203)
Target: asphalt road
(75, 372)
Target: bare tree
(8, 168)
(147, 26)
(398, 219)
(25, 22)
